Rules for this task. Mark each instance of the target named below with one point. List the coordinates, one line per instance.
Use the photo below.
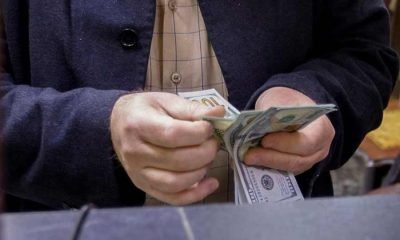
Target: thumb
(201, 110)
(183, 109)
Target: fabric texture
(180, 47)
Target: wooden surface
(373, 151)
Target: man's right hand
(164, 146)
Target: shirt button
(176, 78)
(128, 38)
(172, 5)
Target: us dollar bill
(267, 185)
(278, 119)
(212, 98)
(239, 131)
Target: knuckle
(211, 150)
(198, 157)
(323, 153)
(312, 147)
(174, 185)
(131, 123)
(169, 131)
(308, 151)
(170, 182)
(296, 165)
(135, 154)
(292, 166)
(146, 176)
(126, 148)
(139, 181)
(165, 183)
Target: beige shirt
(182, 59)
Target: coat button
(172, 5)
(128, 38)
(176, 78)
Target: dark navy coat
(69, 61)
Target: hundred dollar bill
(212, 98)
(267, 185)
(278, 119)
(238, 131)
(240, 195)
(229, 135)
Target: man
(75, 132)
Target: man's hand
(164, 147)
(291, 151)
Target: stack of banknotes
(239, 131)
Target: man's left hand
(291, 151)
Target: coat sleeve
(351, 66)
(57, 145)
